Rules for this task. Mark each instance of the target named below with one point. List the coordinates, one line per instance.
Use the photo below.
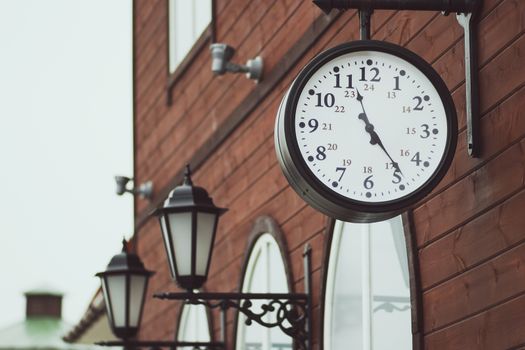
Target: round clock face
(367, 127)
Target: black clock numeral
(375, 79)
(397, 88)
(347, 162)
(339, 109)
(368, 183)
(313, 124)
(342, 170)
(419, 106)
(426, 131)
(332, 146)
(367, 170)
(329, 100)
(416, 159)
(349, 84)
(397, 177)
(321, 155)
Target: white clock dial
(371, 126)
(367, 129)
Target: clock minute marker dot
(369, 62)
(335, 184)
(336, 69)
(302, 125)
(311, 159)
(403, 73)
(435, 131)
(402, 187)
(426, 98)
(368, 195)
(311, 92)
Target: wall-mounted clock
(365, 131)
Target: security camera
(144, 190)
(121, 182)
(221, 55)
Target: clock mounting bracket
(467, 12)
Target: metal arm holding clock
(467, 12)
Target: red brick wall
(470, 231)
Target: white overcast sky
(65, 131)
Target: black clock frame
(319, 195)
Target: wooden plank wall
(469, 232)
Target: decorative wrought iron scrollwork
(288, 312)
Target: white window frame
(195, 30)
(261, 246)
(335, 249)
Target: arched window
(194, 325)
(265, 273)
(367, 295)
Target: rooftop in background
(43, 327)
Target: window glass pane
(205, 225)
(368, 294)
(391, 295)
(265, 273)
(117, 294)
(180, 226)
(187, 21)
(136, 296)
(202, 16)
(193, 325)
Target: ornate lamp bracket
(290, 312)
(467, 12)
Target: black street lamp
(188, 222)
(124, 284)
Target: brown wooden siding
(469, 231)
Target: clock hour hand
(374, 137)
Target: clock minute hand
(374, 137)
(376, 140)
